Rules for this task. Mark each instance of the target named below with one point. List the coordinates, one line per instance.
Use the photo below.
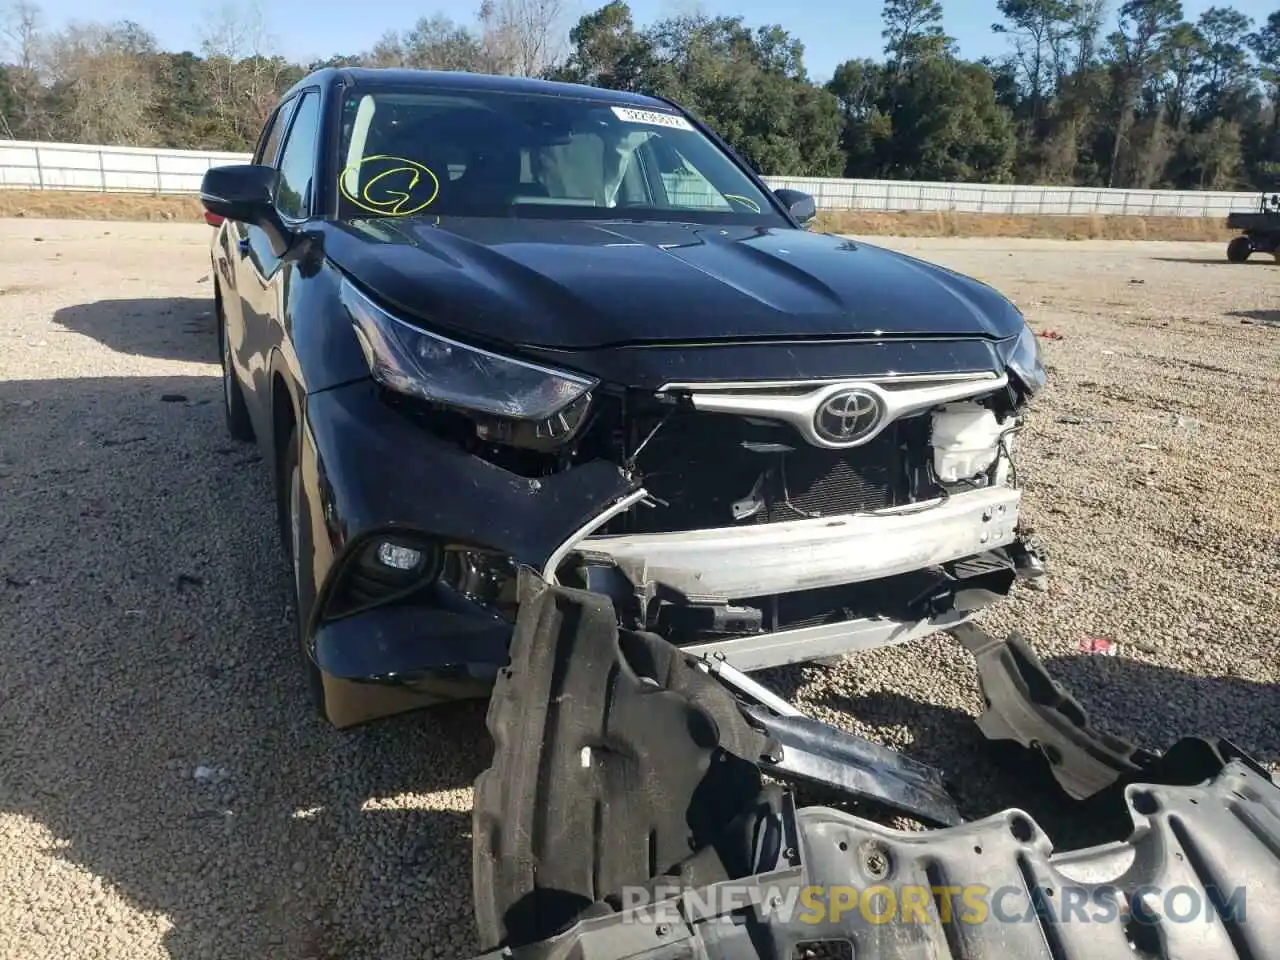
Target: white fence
(73, 166)
(66, 166)
(1012, 199)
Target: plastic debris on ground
(1099, 645)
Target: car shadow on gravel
(1262, 318)
(154, 727)
(1148, 705)
(168, 328)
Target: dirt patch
(166, 791)
(133, 206)
(952, 224)
(76, 205)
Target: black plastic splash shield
(615, 760)
(619, 760)
(1198, 878)
(1024, 705)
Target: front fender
(322, 351)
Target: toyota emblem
(846, 417)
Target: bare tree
(22, 43)
(243, 71)
(20, 34)
(534, 32)
(389, 51)
(497, 52)
(236, 30)
(105, 86)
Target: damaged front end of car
(781, 522)
(641, 803)
(766, 522)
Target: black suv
(479, 323)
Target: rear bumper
(733, 563)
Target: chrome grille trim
(780, 400)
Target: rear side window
(270, 141)
(298, 160)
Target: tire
(1238, 250)
(237, 414)
(296, 538)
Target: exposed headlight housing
(1026, 362)
(412, 361)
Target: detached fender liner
(603, 779)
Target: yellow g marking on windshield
(392, 192)
(743, 200)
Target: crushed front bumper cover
(627, 814)
(735, 562)
(724, 565)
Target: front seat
(492, 178)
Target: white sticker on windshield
(653, 117)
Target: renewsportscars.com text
(972, 904)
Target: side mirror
(800, 204)
(246, 192)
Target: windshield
(486, 153)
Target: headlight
(412, 361)
(1025, 360)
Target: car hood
(590, 284)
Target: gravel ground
(163, 790)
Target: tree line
(1135, 97)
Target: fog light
(398, 557)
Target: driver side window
(269, 143)
(298, 160)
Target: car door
(235, 271)
(264, 273)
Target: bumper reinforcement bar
(731, 563)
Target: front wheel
(1238, 250)
(297, 544)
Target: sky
(832, 30)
